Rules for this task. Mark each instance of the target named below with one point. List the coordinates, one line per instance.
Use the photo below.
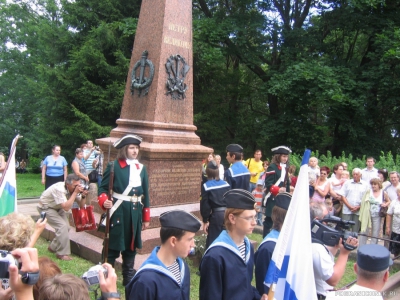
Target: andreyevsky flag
(290, 274)
(8, 184)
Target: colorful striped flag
(290, 273)
(8, 184)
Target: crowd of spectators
(34, 277)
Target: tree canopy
(304, 73)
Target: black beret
(373, 258)
(234, 148)
(212, 165)
(282, 200)
(130, 139)
(241, 199)
(180, 219)
(281, 150)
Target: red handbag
(84, 218)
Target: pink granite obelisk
(163, 117)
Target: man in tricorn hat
(263, 256)
(130, 205)
(165, 275)
(227, 266)
(237, 176)
(277, 170)
(372, 269)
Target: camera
(85, 187)
(331, 236)
(91, 277)
(43, 215)
(6, 259)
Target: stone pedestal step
(150, 236)
(155, 212)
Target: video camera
(6, 259)
(91, 277)
(331, 236)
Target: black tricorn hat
(180, 219)
(128, 140)
(240, 199)
(281, 150)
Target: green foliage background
(318, 74)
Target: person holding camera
(23, 271)
(89, 155)
(56, 201)
(130, 204)
(327, 273)
(165, 275)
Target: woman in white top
(321, 186)
(220, 167)
(336, 182)
(372, 201)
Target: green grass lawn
(29, 185)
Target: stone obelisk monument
(158, 103)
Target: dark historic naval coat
(224, 273)
(238, 176)
(212, 207)
(126, 222)
(271, 177)
(154, 281)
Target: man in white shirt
(327, 272)
(372, 269)
(352, 193)
(369, 172)
(394, 182)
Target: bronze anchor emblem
(176, 76)
(142, 83)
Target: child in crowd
(346, 175)
(292, 177)
(313, 169)
(263, 174)
(258, 193)
(329, 206)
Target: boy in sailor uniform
(130, 207)
(238, 176)
(212, 204)
(226, 269)
(263, 256)
(165, 275)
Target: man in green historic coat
(130, 207)
(277, 170)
